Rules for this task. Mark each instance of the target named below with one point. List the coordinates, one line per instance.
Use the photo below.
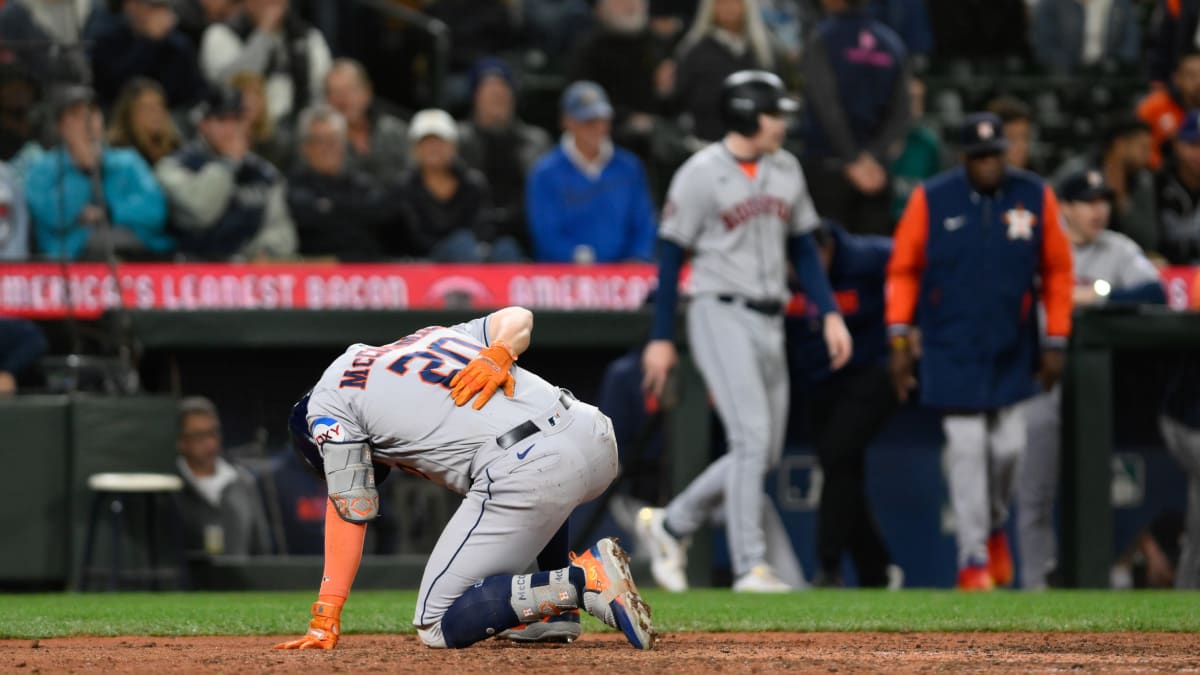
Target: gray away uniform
(1114, 258)
(737, 229)
(396, 399)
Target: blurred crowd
(287, 129)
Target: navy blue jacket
(119, 55)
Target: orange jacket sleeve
(1058, 277)
(343, 555)
(908, 261)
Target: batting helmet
(748, 93)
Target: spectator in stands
(196, 15)
(476, 30)
(588, 200)
(145, 42)
(502, 146)
(1069, 34)
(1177, 194)
(18, 96)
(921, 155)
(1171, 33)
(45, 38)
(979, 30)
(1124, 160)
(622, 55)
(910, 20)
(70, 219)
(555, 27)
(726, 36)
(378, 141)
(1017, 118)
(14, 217)
(270, 39)
(226, 201)
(446, 203)
(858, 111)
(339, 212)
(140, 120)
(1163, 109)
(787, 20)
(1109, 268)
(268, 140)
(223, 510)
(21, 345)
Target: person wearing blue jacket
(588, 200)
(847, 408)
(70, 220)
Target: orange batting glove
(323, 630)
(484, 375)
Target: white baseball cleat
(668, 555)
(761, 579)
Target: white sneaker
(668, 555)
(761, 579)
(895, 577)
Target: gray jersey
(396, 398)
(737, 227)
(1114, 258)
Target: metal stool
(116, 491)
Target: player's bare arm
(509, 332)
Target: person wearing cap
(446, 203)
(500, 144)
(227, 203)
(964, 273)
(1177, 190)
(856, 86)
(588, 199)
(71, 221)
(143, 41)
(1109, 268)
(377, 141)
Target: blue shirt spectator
(70, 220)
(144, 42)
(1063, 40)
(14, 217)
(588, 200)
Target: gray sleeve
(821, 94)
(198, 198)
(895, 125)
(688, 204)
(804, 213)
(277, 238)
(1137, 269)
(475, 328)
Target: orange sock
(343, 554)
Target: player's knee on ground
(479, 613)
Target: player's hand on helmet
(1052, 368)
(323, 630)
(901, 367)
(837, 339)
(484, 375)
(658, 359)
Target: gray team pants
(518, 500)
(1037, 489)
(982, 451)
(740, 353)
(1184, 442)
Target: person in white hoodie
(221, 504)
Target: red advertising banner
(42, 290)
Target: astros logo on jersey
(327, 429)
(1020, 223)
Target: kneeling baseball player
(522, 464)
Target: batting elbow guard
(351, 481)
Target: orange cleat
(975, 578)
(1000, 563)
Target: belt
(768, 307)
(527, 428)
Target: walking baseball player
(522, 463)
(738, 206)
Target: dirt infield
(694, 652)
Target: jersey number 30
(435, 360)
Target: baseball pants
(845, 415)
(981, 455)
(519, 499)
(740, 354)
(1037, 489)
(1184, 443)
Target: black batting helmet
(747, 93)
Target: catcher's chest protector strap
(351, 480)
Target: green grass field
(178, 614)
